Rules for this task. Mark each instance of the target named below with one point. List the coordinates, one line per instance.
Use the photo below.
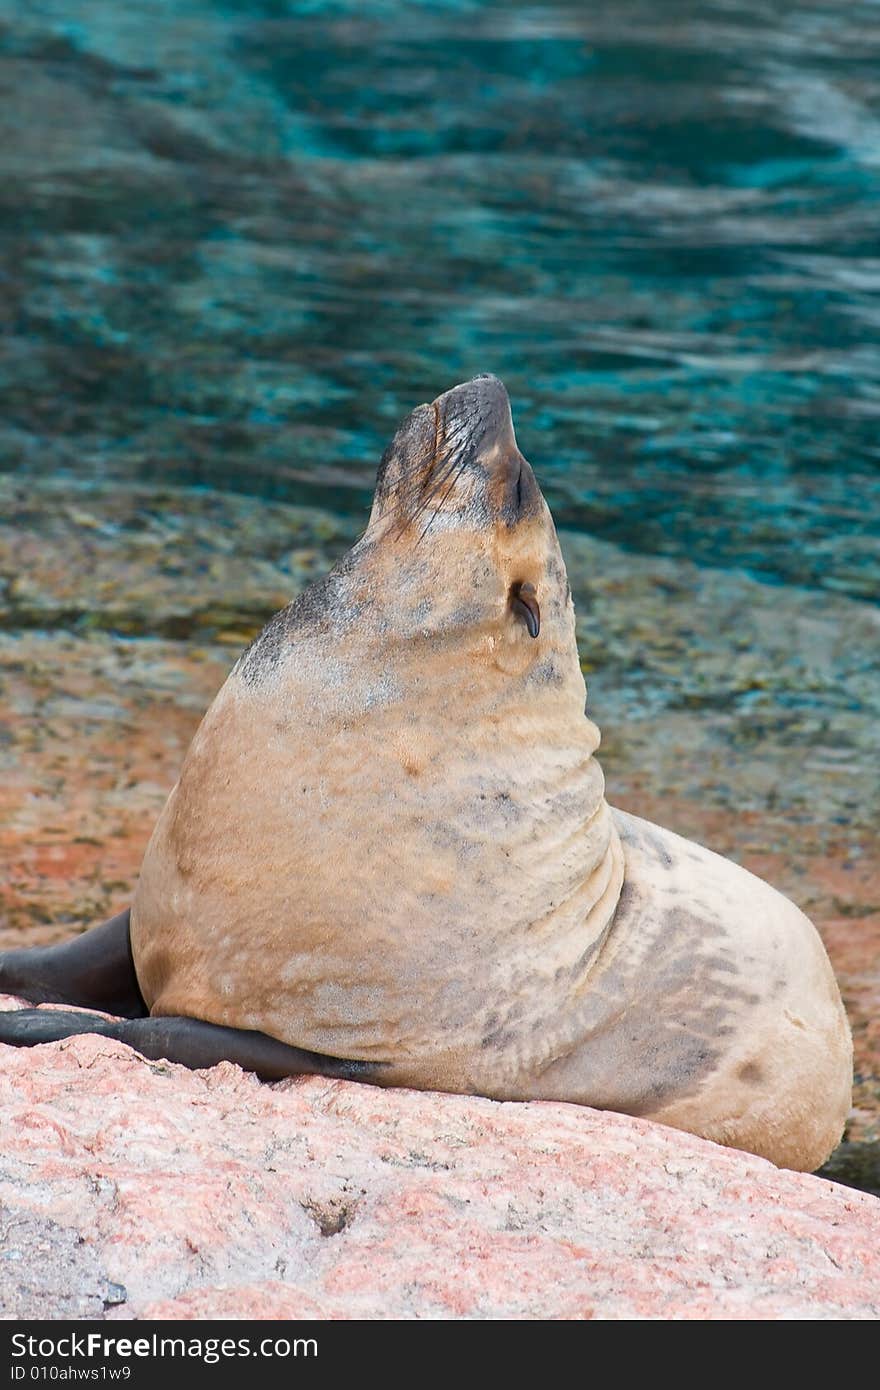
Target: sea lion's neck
(490, 762)
(447, 753)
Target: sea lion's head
(462, 532)
(458, 583)
(459, 564)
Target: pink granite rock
(135, 1189)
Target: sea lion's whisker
(454, 461)
(403, 503)
(456, 475)
(410, 470)
(453, 453)
(451, 471)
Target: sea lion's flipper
(189, 1041)
(94, 970)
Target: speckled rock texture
(131, 1189)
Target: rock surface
(132, 1189)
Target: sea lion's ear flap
(406, 461)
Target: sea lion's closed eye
(524, 602)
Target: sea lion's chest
(371, 884)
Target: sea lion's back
(714, 1009)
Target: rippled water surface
(239, 240)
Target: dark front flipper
(189, 1041)
(94, 970)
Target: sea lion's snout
(474, 420)
(479, 411)
(456, 462)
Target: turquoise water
(238, 241)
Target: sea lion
(389, 853)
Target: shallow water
(239, 241)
